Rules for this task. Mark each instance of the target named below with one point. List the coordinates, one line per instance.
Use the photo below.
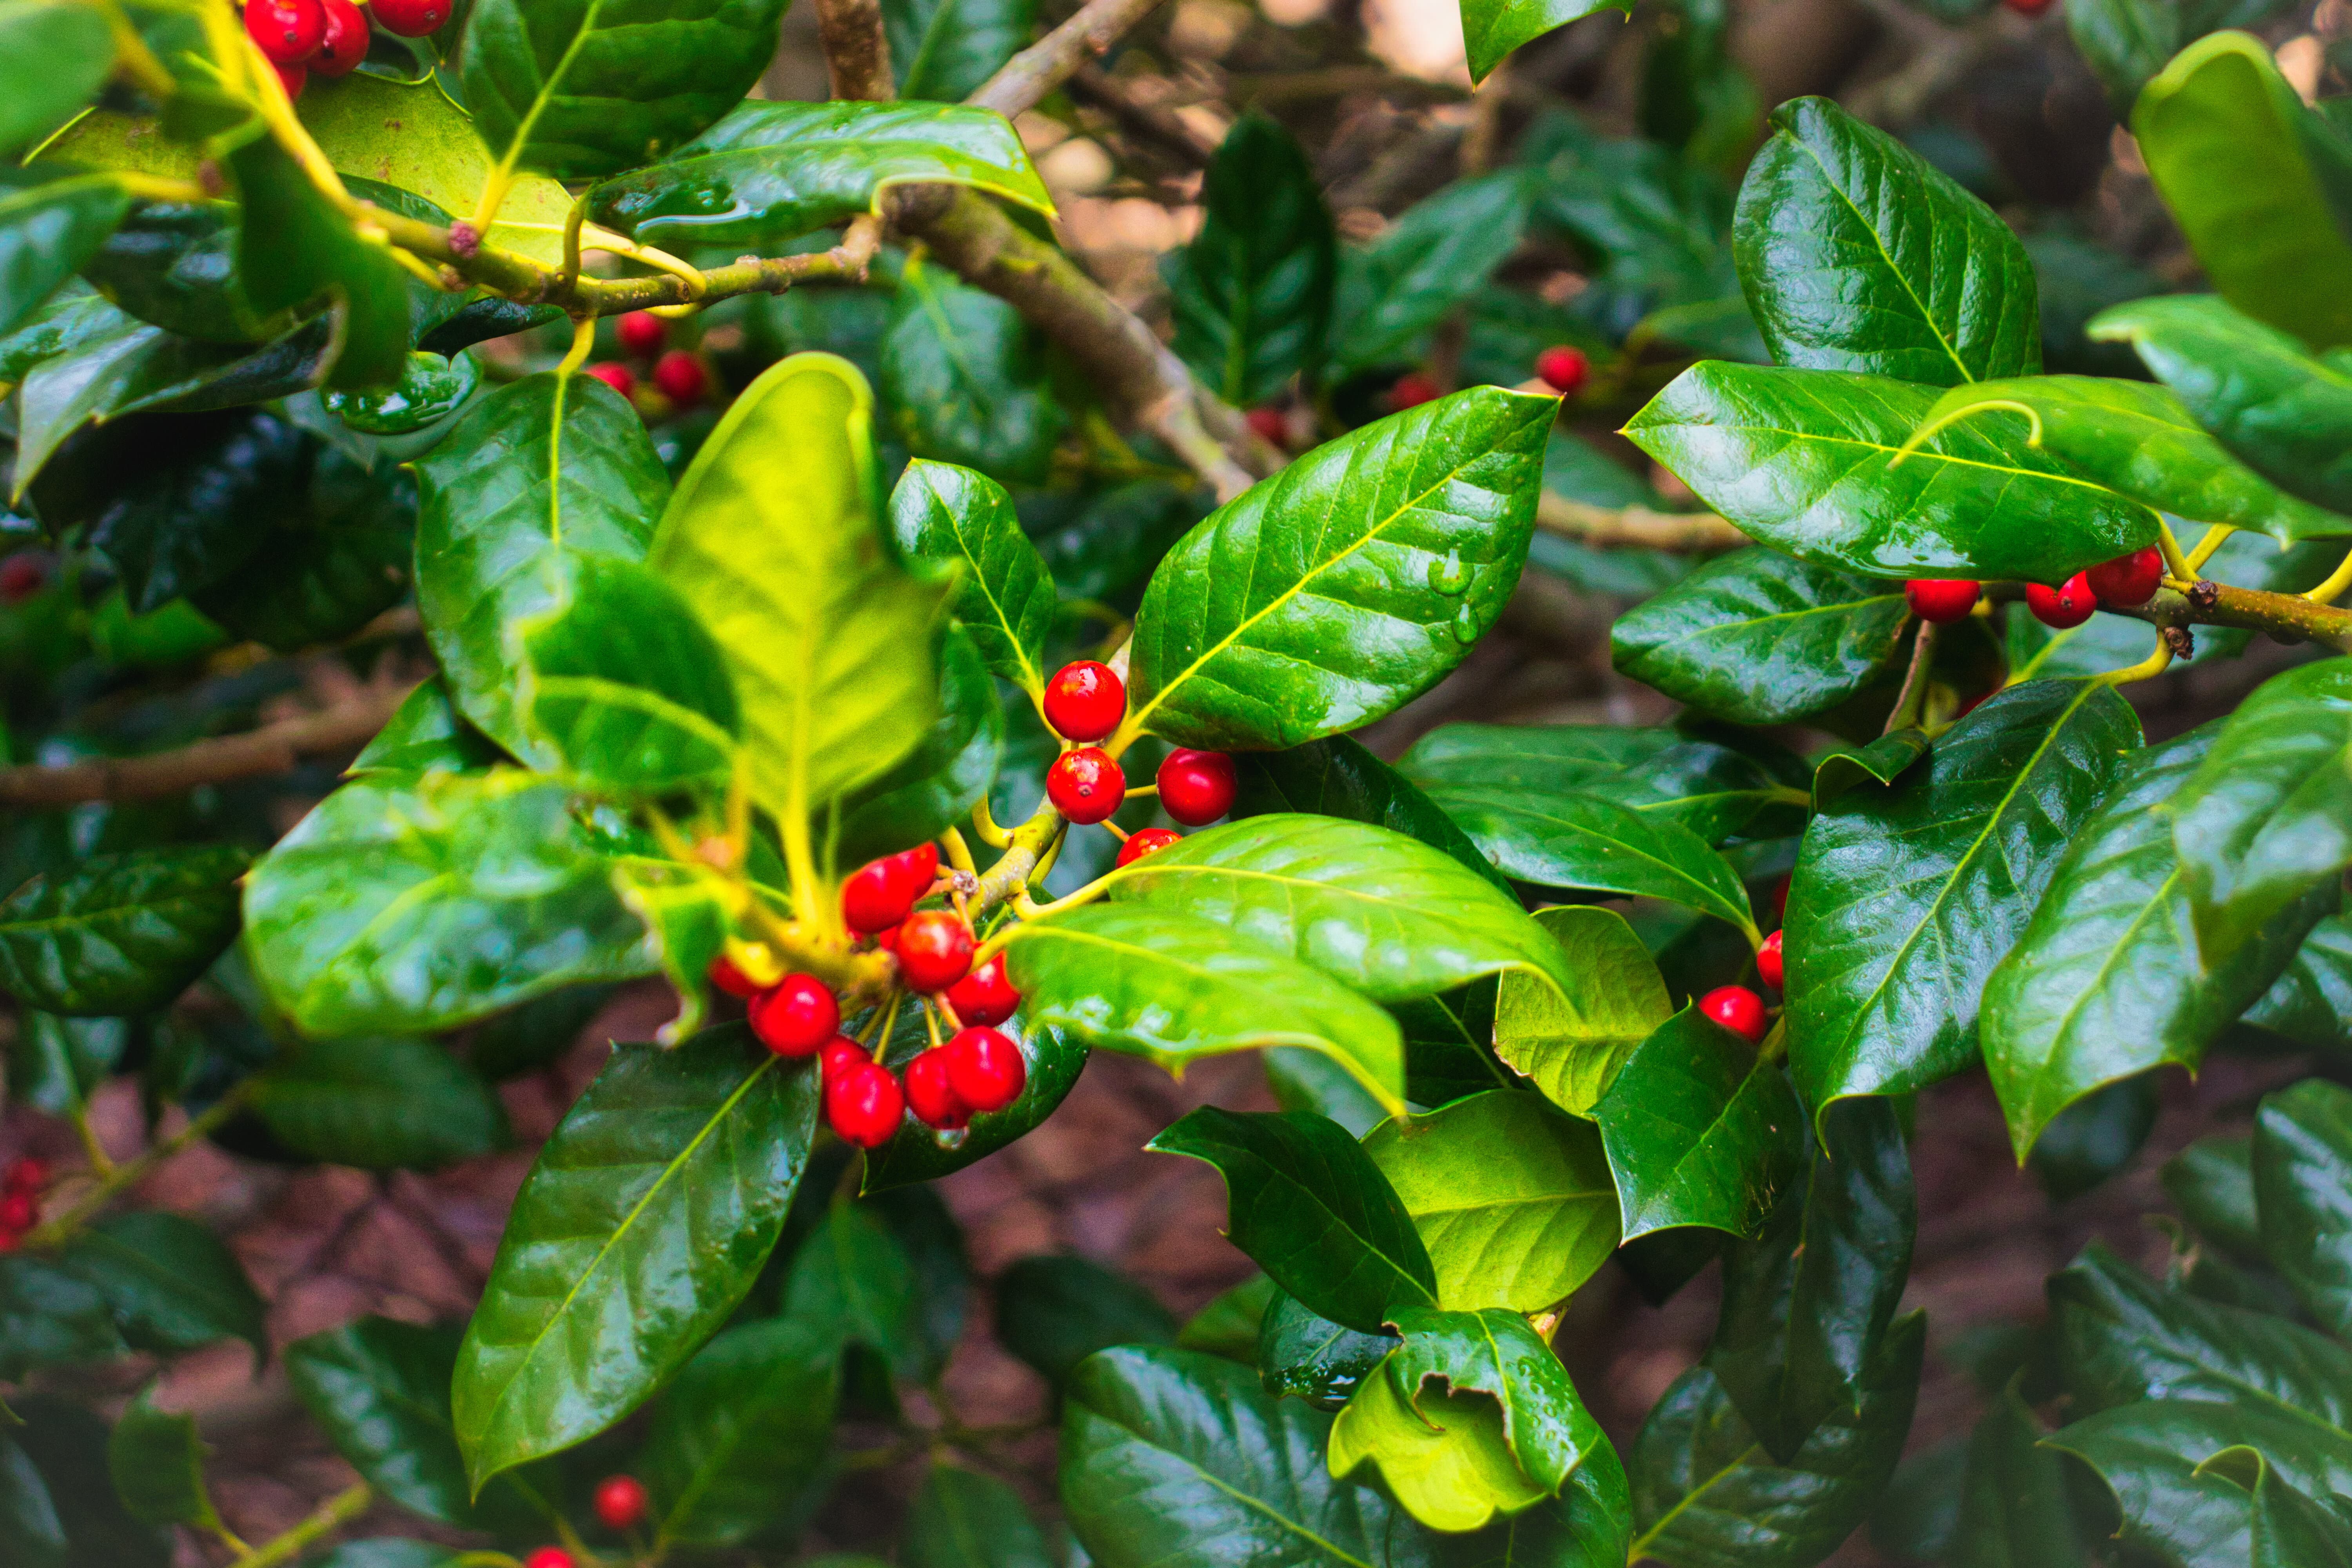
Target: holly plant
(498, 511)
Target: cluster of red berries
(2125, 582)
(330, 36)
(1084, 703)
(1740, 1009)
(20, 1201)
(677, 374)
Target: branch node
(465, 240)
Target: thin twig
(1637, 527)
(857, 49)
(1047, 64)
(1913, 697)
(1147, 123)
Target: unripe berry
(19, 1211)
(2128, 581)
(878, 894)
(616, 375)
(1411, 389)
(1196, 788)
(1768, 960)
(985, 996)
(2069, 604)
(934, 950)
(1942, 599)
(293, 78)
(1085, 700)
(1270, 425)
(985, 1068)
(1143, 843)
(680, 378)
(1086, 786)
(642, 333)
(863, 1103)
(344, 44)
(1563, 368)
(840, 1054)
(287, 32)
(727, 977)
(929, 1095)
(410, 19)
(796, 1017)
(548, 1557)
(1738, 1009)
(620, 1502)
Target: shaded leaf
(1700, 1129)
(963, 378)
(2303, 1180)
(943, 49)
(157, 1463)
(168, 1282)
(1053, 1311)
(380, 1103)
(741, 1441)
(1337, 776)
(120, 933)
(1252, 293)
(1574, 840)
(1300, 1355)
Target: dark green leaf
(1228, 1326)
(2125, 42)
(1339, 777)
(2303, 1176)
(1054, 1060)
(742, 1442)
(58, 1063)
(337, 553)
(2095, 1137)
(65, 1446)
(1497, 1353)
(157, 1463)
(1570, 1041)
(1530, 756)
(1881, 761)
(168, 1282)
(297, 251)
(2212, 1182)
(50, 1316)
(591, 1303)
(1311, 1209)
(120, 933)
(55, 57)
(1252, 292)
(1054, 1312)
(1700, 1129)
(52, 220)
(1302, 1356)
(1574, 840)
(942, 50)
(389, 1551)
(2014, 1508)
(29, 1528)
(1903, 898)
(1589, 1525)
(962, 523)
(2149, 1454)
(963, 378)
(2291, 1531)
(380, 1103)
(854, 1283)
(537, 1033)
(430, 389)
(1436, 258)
(960, 1519)
(2312, 1003)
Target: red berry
(679, 376)
(620, 1501)
(1563, 368)
(410, 19)
(1738, 1009)
(934, 950)
(2128, 581)
(1085, 700)
(1973, 703)
(985, 1068)
(1140, 843)
(1768, 960)
(2028, 8)
(616, 375)
(9, 1241)
(796, 1017)
(1412, 388)
(293, 78)
(345, 42)
(1196, 788)
(19, 1211)
(642, 333)
(1270, 425)
(985, 996)
(2069, 604)
(879, 893)
(1084, 785)
(929, 1094)
(27, 1175)
(287, 32)
(840, 1054)
(887, 939)
(731, 979)
(548, 1557)
(22, 575)
(863, 1104)
(1941, 599)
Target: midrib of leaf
(1259, 1504)
(1878, 241)
(91, 917)
(1032, 679)
(648, 704)
(501, 175)
(1370, 1247)
(1486, 1058)
(2008, 469)
(219, 1306)
(2113, 955)
(1848, 606)
(42, 196)
(1701, 1136)
(1506, 802)
(555, 436)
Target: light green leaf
(1571, 1040)
(1491, 30)
(53, 60)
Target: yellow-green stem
(132, 1172)
(331, 1515)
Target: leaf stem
(129, 1172)
(2207, 543)
(2155, 664)
(331, 1515)
(2175, 562)
(2337, 581)
(92, 1150)
(1913, 697)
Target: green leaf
(1385, 915)
(537, 479)
(1491, 30)
(1881, 762)
(424, 736)
(1903, 898)
(1271, 625)
(157, 1463)
(2302, 1174)
(1857, 253)
(588, 87)
(774, 535)
(2212, 1182)
(852, 1280)
(335, 554)
(1435, 259)
(52, 221)
(120, 933)
(2014, 1503)
(58, 1063)
(1054, 1060)
(424, 902)
(1173, 987)
(1302, 1356)
(1311, 1209)
(1706, 1495)
(66, 1447)
(50, 1316)
(943, 49)
(947, 773)
(2150, 1455)
(742, 1442)
(1304, 1080)
(590, 1304)
(2290, 1528)
(168, 1282)
(1339, 777)
(2241, 164)
(2106, 980)
(2312, 1003)
(965, 379)
(1530, 756)
(2281, 412)
(2140, 441)
(1700, 1129)
(29, 1527)
(1512, 1200)
(379, 1103)
(1252, 292)
(962, 522)
(296, 251)
(1571, 1040)
(1571, 840)
(771, 172)
(56, 57)
(1807, 461)
(960, 1520)
(1053, 1311)
(1228, 1326)
(1760, 637)
(2267, 817)
(389, 1551)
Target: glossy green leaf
(1571, 1040)
(1806, 461)
(742, 1442)
(964, 378)
(539, 477)
(56, 59)
(962, 522)
(943, 49)
(963, 1519)
(424, 736)
(1302, 1080)
(1513, 1199)
(59, 1062)
(1435, 259)
(2267, 817)
(1300, 1355)
(297, 251)
(589, 87)
(1311, 1209)
(2014, 1505)
(773, 535)
(1385, 915)
(856, 1284)
(1337, 776)
(29, 1527)
(2105, 980)
(1718, 785)
(1574, 840)
(1760, 637)
(430, 389)
(2281, 411)
(120, 933)
(379, 1103)
(1880, 761)
(2151, 1456)
(2291, 1531)
(1054, 1059)
(66, 1447)
(646, 1217)
(1271, 625)
(1055, 1310)
(1174, 987)
(51, 222)
(1903, 898)
(2212, 1182)
(932, 786)
(2312, 1003)
(1530, 756)
(1857, 253)
(50, 1316)
(2302, 1178)
(1446, 1460)
(424, 901)
(1700, 1129)
(336, 552)
(770, 172)
(170, 1283)
(1252, 293)
(157, 1463)
(2230, 146)
(1589, 1525)
(1491, 30)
